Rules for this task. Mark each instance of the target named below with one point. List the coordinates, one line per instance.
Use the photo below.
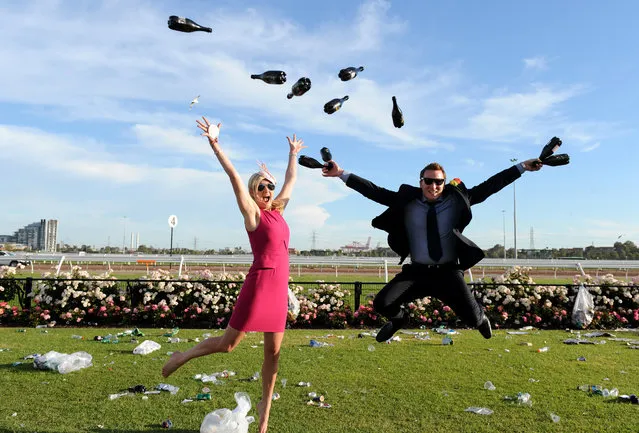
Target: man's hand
(532, 164)
(333, 172)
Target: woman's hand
(296, 144)
(212, 132)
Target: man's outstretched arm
(481, 192)
(363, 186)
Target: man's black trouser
(416, 281)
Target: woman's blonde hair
(253, 183)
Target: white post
(59, 265)
(583, 274)
(181, 263)
(335, 271)
(31, 267)
(223, 268)
(386, 270)
(298, 270)
(470, 274)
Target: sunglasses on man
(430, 180)
(261, 186)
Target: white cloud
(591, 147)
(539, 63)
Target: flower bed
(204, 299)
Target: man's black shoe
(485, 329)
(387, 331)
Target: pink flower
(563, 312)
(162, 315)
(198, 310)
(525, 319)
(102, 309)
(435, 313)
(537, 319)
(446, 308)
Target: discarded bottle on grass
(304, 384)
(447, 341)
(543, 349)
(203, 396)
(118, 395)
(138, 389)
(77, 337)
(284, 383)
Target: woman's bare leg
(226, 343)
(272, 344)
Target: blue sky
(95, 122)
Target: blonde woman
(262, 303)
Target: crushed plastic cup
(166, 387)
(479, 410)
(447, 341)
(489, 386)
(118, 395)
(146, 347)
(554, 418)
(581, 358)
(304, 384)
(283, 383)
(275, 396)
(371, 348)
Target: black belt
(427, 267)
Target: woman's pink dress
(262, 304)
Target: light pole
(124, 237)
(514, 160)
(503, 214)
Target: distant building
(38, 236)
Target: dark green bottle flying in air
(271, 77)
(186, 25)
(334, 104)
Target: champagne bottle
(398, 118)
(271, 77)
(326, 157)
(309, 162)
(349, 73)
(300, 87)
(556, 160)
(186, 25)
(550, 148)
(334, 104)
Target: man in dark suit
(427, 224)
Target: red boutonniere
(455, 181)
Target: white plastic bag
(584, 308)
(293, 305)
(227, 421)
(61, 362)
(146, 347)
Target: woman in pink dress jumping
(262, 304)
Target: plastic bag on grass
(584, 308)
(61, 362)
(229, 421)
(146, 347)
(293, 305)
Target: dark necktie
(432, 231)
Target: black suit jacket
(392, 219)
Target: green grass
(407, 386)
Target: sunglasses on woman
(429, 181)
(261, 186)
